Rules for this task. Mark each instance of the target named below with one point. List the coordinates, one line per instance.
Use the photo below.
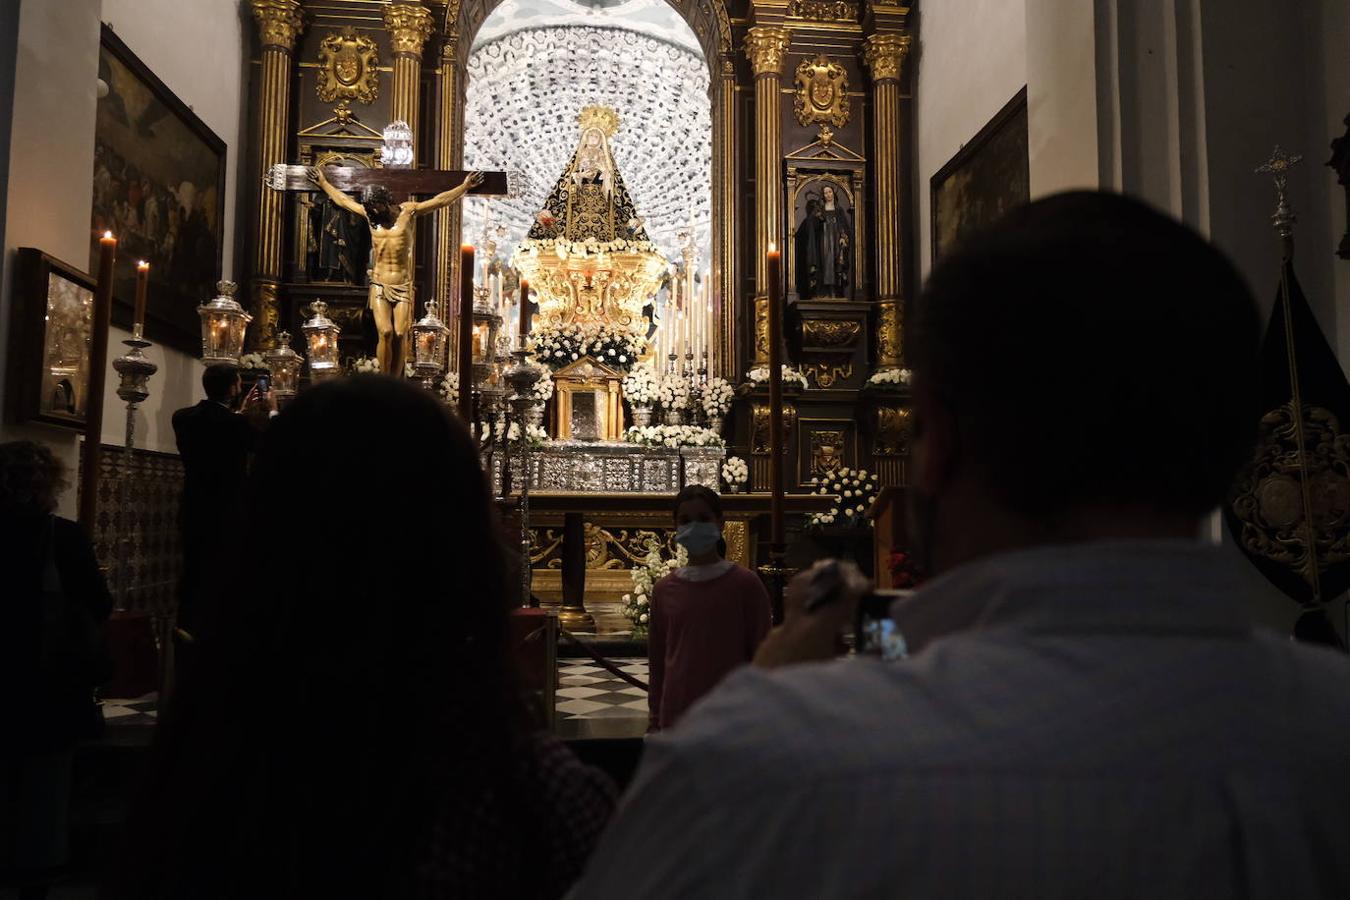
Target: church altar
(607, 467)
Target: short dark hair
(217, 381)
(698, 492)
(31, 477)
(1093, 352)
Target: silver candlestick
(522, 376)
(134, 370)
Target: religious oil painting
(986, 178)
(50, 341)
(823, 253)
(159, 180)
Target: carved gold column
(409, 26)
(884, 55)
(766, 46)
(725, 220)
(279, 23)
(449, 151)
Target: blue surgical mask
(698, 537)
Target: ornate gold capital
(409, 25)
(279, 22)
(767, 46)
(884, 54)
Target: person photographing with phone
(708, 617)
(215, 439)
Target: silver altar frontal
(620, 468)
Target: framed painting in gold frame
(49, 341)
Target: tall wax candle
(98, 375)
(775, 276)
(142, 288)
(525, 314)
(466, 333)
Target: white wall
(972, 59)
(197, 49)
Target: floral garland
(760, 375)
(673, 436)
(717, 397)
(655, 566)
(640, 386)
(542, 390)
(674, 392)
(617, 348)
(589, 247)
(735, 472)
(890, 378)
(855, 490)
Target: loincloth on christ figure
(393, 294)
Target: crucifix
(387, 205)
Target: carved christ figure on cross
(391, 241)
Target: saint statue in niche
(823, 245)
(339, 244)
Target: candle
(466, 333)
(98, 373)
(775, 302)
(142, 285)
(525, 314)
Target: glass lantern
(397, 152)
(321, 335)
(223, 324)
(428, 346)
(285, 365)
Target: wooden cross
(401, 183)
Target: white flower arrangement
(640, 386)
(447, 388)
(760, 375)
(673, 436)
(674, 392)
(717, 397)
(534, 434)
(854, 490)
(542, 390)
(735, 472)
(655, 566)
(365, 365)
(618, 348)
(252, 361)
(890, 378)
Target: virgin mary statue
(589, 201)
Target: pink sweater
(700, 631)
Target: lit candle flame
(773, 248)
(107, 235)
(142, 265)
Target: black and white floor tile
(137, 711)
(586, 691)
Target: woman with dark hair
(51, 658)
(352, 729)
(707, 617)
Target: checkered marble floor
(137, 711)
(586, 691)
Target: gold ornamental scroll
(885, 55)
(766, 46)
(279, 24)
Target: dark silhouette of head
(359, 681)
(221, 382)
(379, 205)
(1086, 361)
(697, 503)
(31, 478)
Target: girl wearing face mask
(707, 617)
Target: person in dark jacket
(52, 589)
(214, 443)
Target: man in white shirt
(1087, 710)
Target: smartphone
(263, 384)
(875, 633)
